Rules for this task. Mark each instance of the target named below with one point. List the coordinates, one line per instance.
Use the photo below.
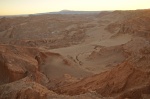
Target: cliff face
(132, 22)
(76, 56)
(24, 88)
(10, 68)
(19, 73)
(24, 74)
(126, 80)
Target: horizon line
(68, 11)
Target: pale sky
(15, 7)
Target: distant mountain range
(75, 12)
(59, 12)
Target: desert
(96, 55)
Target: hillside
(70, 56)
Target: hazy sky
(11, 7)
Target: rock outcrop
(130, 79)
(103, 56)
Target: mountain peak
(65, 10)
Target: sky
(16, 7)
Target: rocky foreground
(95, 56)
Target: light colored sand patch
(73, 50)
(79, 53)
(96, 34)
(56, 66)
(119, 40)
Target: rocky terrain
(76, 56)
